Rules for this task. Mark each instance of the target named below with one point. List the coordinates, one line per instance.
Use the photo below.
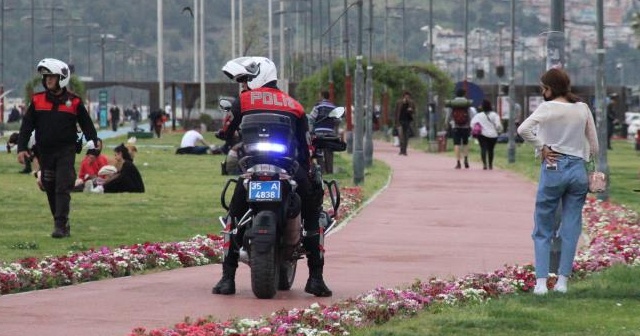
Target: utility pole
(160, 56)
(431, 112)
(386, 29)
(332, 89)
(358, 154)
(347, 80)
(203, 93)
(282, 51)
(233, 34)
(404, 32)
(601, 109)
(368, 124)
(511, 150)
(196, 16)
(466, 34)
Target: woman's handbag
(597, 180)
(476, 131)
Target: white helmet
(256, 71)
(52, 66)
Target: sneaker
(88, 185)
(560, 288)
(540, 290)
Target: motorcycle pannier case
(267, 133)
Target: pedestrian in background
(564, 135)
(114, 115)
(459, 117)
(405, 108)
(54, 115)
(612, 119)
(489, 121)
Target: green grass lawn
(604, 304)
(182, 199)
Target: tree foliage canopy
(75, 85)
(392, 78)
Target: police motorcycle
(329, 136)
(270, 234)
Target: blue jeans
(567, 184)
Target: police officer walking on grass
(54, 114)
(263, 96)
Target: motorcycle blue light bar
(267, 147)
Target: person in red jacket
(54, 115)
(89, 167)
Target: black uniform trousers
(58, 177)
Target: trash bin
(442, 141)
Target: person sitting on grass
(126, 177)
(190, 140)
(90, 166)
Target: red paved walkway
(432, 220)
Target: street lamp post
(511, 151)
(103, 40)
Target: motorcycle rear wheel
(287, 274)
(264, 273)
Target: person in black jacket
(128, 178)
(54, 115)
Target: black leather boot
(61, 231)
(315, 284)
(226, 285)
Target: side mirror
(225, 104)
(337, 112)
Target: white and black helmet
(52, 66)
(255, 71)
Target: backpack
(460, 116)
(460, 111)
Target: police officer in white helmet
(54, 115)
(263, 96)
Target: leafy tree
(75, 85)
(392, 78)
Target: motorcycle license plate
(264, 191)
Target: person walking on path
(612, 119)
(114, 115)
(489, 122)
(405, 109)
(54, 115)
(560, 129)
(459, 116)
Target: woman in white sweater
(491, 128)
(564, 135)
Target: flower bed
(614, 238)
(94, 264)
